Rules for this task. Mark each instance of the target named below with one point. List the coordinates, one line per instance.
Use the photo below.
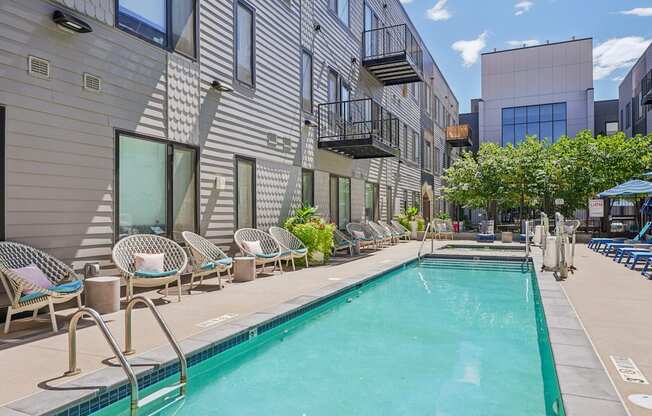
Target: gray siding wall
(628, 93)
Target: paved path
(615, 306)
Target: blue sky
(456, 31)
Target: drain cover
(643, 400)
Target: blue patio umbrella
(634, 187)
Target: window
(308, 187)
(245, 193)
(622, 122)
(415, 146)
(437, 160)
(2, 170)
(371, 207)
(340, 200)
(341, 8)
(611, 127)
(244, 44)
(157, 187)
(546, 122)
(168, 24)
(628, 115)
(427, 99)
(405, 200)
(427, 156)
(389, 200)
(372, 37)
(404, 142)
(306, 82)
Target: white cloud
(438, 11)
(638, 11)
(470, 49)
(618, 78)
(519, 43)
(406, 1)
(522, 7)
(617, 53)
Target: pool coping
(584, 384)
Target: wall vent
(38, 67)
(92, 82)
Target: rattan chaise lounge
(290, 243)
(206, 258)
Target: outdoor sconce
(354, 60)
(217, 85)
(317, 27)
(70, 22)
(309, 123)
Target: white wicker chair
(396, 236)
(342, 242)
(443, 229)
(386, 236)
(175, 261)
(271, 249)
(290, 242)
(362, 235)
(206, 258)
(16, 255)
(405, 233)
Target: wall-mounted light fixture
(354, 60)
(317, 27)
(217, 85)
(70, 22)
(309, 123)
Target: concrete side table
(506, 237)
(103, 294)
(244, 269)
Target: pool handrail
(425, 236)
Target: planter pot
(317, 257)
(413, 230)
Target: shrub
(421, 224)
(444, 216)
(311, 230)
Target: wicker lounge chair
(290, 243)
(342, 242)
(443, 229)
(396, 235)
(175, 262)
(405, 233)
(362, 235)
(270, 250)
(206, 258)
(25, 296)
(386, 236)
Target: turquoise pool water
(444, 338)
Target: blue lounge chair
(616, 246)
(486, 233)
(596, 243)
(646, 268)
(624, 252)
(636, 256)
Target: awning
(630, 188)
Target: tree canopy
(533, 174)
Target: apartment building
(150, 116)
(544, 90)
(635, 97)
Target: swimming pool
(446, 337)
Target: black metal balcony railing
(393, 54)
(358, 128)
(646, 89)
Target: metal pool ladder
(432, 242)
(136, 402)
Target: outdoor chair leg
(166, 289)
(294, 269)
(35, 314)
(8, 320)
(192, 282)
(179, 287)
(79, 301)
(280, 266)
(645, 267)
(53, 317)
(228, 272)
(307, 260)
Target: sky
(456, 32)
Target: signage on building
(596, 208)
(559, 201)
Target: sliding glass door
(245, 193)
(156, 187)
(340, 200)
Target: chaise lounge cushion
(210, 265)
(70, 287)
(156, 274)
(359, 235)
(149, 263)
(33, 275)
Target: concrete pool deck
(239, 305)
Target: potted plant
(313, 231)
(408, 218)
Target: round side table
(103, 293)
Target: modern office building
(128, 116)
(635, 97)
(606, 117)
(544, 90)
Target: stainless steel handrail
(183, 364)
(72, 351)
(425, 236)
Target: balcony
(459, 136)
(359, 129)
(646, 89)
(393, 55)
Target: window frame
(312, 193)
(252, 10)
(169, 46)
(305, 52)
(515, 124)
(169, 180)
(335, 12)
(3, 158)
(236, 190)
(335, 217)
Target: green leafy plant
(302, 215)
(312, 230)
(421, 224)
(444, 216)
